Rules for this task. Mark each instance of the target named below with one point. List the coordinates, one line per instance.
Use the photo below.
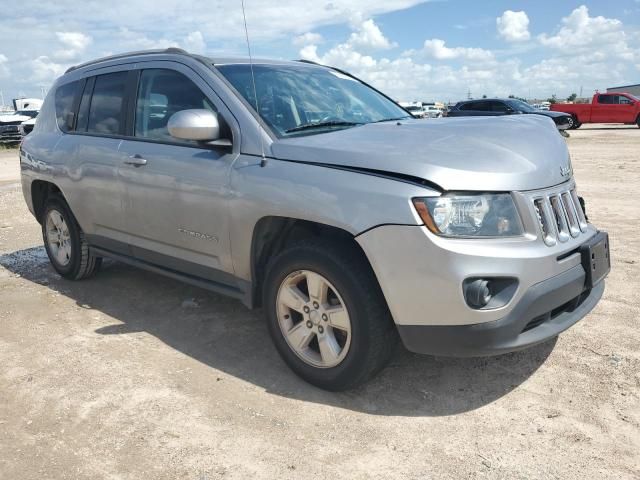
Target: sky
(430, 50)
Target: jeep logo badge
(565, 171)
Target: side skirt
(242, 294)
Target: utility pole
(1, 98)
(469, 95)
(580, 91)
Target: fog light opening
(488, 293)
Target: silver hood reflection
(523, 152)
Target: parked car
(604, 108)
(461, 237)
(10, 124)
(511, 106)
(415, 110)
(27, 127)
(431, 111)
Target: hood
(549, 113)
(14, 118)
(523, 152)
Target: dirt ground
(131, 375)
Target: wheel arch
(40, 191)
(272, 234)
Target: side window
(499, 107)
(624, 100)
(483, 106)
(106, 113)
(472, 106)
(85, 102)
(65, 96)
(605, 99)
(161, 93)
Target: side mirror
(196, 124)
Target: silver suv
(300, 189)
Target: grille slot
(570, 210)
(560, 216)
(582, 220)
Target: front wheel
(573, 122)
(327, 315)
(64, 242)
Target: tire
(360, 353)
(573, 123)
(638, 121)
(65, 242)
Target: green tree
(484, 96)
(572, 97)
(553, 99)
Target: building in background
(632, 89)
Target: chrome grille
(560, 216)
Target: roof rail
(309, 61)
(174, 50)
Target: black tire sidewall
(71, 269)
(354, 364)
(572, 123)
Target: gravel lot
(131, 375)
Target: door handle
(136, 160)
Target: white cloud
(309, 38)
(44, 70)
(513, 26)
(437, 49)
(4, 69)
(581, 33)
(369, 36)
(74, 44)
(194, 42)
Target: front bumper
(422, 276)
(546, 310)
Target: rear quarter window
(64, 98)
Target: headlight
(473, 215)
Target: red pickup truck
(604, 108)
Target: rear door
(177, 193)
(97, 191)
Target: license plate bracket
(596, 259)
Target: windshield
(521, 106)
(305, 99)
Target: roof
(179, 51)
(625, 86)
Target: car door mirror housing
(195, 124)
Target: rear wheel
(327, 315)
(65, 243)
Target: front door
(177, 190)
(613, 108)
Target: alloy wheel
(58, 237)
(313, 319)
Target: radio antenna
(253, 81)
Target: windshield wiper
(393, 119)
(332, 123)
